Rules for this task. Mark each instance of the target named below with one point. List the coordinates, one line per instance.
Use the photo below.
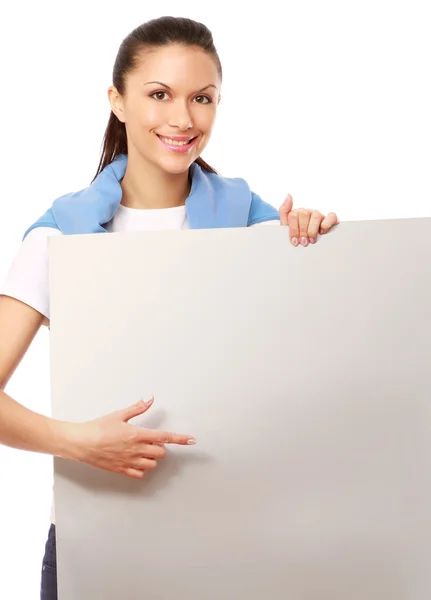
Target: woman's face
(169, 106)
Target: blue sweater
(213, 202)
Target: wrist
(66, 440)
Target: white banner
(303, 373)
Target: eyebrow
(169, 88)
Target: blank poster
(303, 373)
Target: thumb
(285, 209)
(135, 410)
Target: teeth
(175, 142)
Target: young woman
(166, 88)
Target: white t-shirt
(27, 279)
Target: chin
(176, 167)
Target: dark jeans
(48, 589)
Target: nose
(180, 116)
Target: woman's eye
(165, 96)
(159, 95)
(203, 99)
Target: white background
(326, 100)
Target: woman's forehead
(177, 65)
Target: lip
(179, 138)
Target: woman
(166, 89)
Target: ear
(116, 102)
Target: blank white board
(304, 374)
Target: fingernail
(150, 401)
(191, 441)
(304, 241)
(295, 241)
(312, 240)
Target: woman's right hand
(112, 443)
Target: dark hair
(152, 34)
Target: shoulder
(41, 232)
(36, 240)
(240, 195)
(35, 243)
(261, 211)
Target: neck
(145, 186)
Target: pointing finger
(165, 437)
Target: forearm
(25, 429)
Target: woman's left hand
(305, 224)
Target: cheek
(145, 115)
(204, 118)
(153, 114)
